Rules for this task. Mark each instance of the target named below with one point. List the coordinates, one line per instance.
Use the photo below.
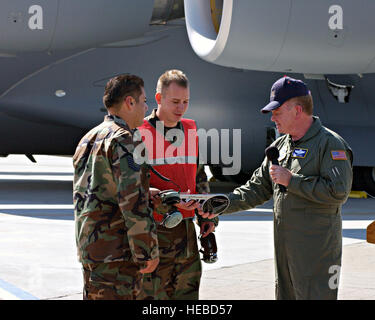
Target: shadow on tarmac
(37, 192)
(354, 233)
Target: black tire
(239, 178)
(217, 172)
(367, 179)
(357, 179)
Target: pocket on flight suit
(324, 231)
(319, 220)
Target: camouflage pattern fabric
(112, 281)
(177, 277)
(113, 220)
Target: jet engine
(298, 36)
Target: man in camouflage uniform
(178, 274)
(115, 232)
(315, 165)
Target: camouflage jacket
(202, 185)
(113, 220)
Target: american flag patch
(338, 155)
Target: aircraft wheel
(357, 179)
(364, 179)
(240, 178)
(217, 172)
(368, 179)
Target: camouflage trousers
(111, 281)
(177, 277)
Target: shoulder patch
(132, 165)
(299, 153)
(338, 155)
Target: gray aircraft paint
(222, 98)
(35, 121)
(286, 36)
(70, 24)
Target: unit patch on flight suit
(299, 153)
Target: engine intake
(301, 36)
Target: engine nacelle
(49, 25)
(299, 36)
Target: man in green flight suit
(115, 231)
(315, 166)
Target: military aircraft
(56, 57)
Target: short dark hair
(118, 88)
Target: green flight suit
(307, 218)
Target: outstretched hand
(207, 215)
(190, 205)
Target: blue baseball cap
(284, 89)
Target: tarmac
(255, 281)
(38, 256)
